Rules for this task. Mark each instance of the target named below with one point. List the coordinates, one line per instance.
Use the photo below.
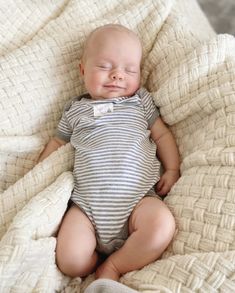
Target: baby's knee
(75, 263)
(161, 229)
(168, 226)
(69, 263)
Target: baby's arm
(51, 146)
(168, 154)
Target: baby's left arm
(168, 154)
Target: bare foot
(107, 270)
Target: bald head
(108, 31)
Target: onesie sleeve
(64, 129)
(150, 109)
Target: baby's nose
(117, 75)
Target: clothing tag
(102, 109)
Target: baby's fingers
(160, 184)
(162, 188)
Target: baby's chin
(113, 94)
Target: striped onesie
(115, 160)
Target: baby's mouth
(113, 86)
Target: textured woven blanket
(191, 73)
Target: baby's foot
(107, 271)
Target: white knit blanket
(191, 73)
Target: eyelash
(131, 71)
(106, 67)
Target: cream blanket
(191, 73)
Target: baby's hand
(166, 181)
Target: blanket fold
(191, 74)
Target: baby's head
(111, 62)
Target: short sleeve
(64, 130)
(150, 109)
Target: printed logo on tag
(102, 109)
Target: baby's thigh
(76, 235)
(152, 215)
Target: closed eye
(131, 71)
(104, 66)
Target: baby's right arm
(51, 146)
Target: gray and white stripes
(115, 159)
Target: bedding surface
(189, 70)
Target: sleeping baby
(119, 140)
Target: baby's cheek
(133, 87)
(91, 83)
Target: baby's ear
(81, 68)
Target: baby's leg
(76, 243)
(151, 228)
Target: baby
(119, 139)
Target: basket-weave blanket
(191, 74)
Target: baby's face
(112, 65)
